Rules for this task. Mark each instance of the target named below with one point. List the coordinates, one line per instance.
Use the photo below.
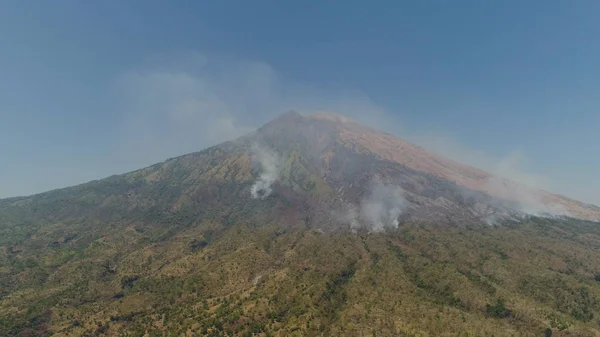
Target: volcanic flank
(310, 226)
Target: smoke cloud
(513, 165)
(193, 101)
(512, 179)
(523, 199)
(378, 210)
(348, 215)
(270, 168)
(176, 104)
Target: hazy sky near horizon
(94, 88)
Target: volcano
(311, 225)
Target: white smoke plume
(348, 215)
(526, 200)
(382, 207)
(378, 210)
(270, 166)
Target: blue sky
(89, 89)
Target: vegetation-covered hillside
(183, 249)
(417, 280)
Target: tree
(498, 310)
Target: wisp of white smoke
(382, 207)
(348, 215)
(527, 200)
(378, 210)
(269, 165)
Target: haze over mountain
(310, 225)
(524, 199)
(346, 161)
(431, 184)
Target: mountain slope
(251, 236)
(388, 147)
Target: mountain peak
(287, 118)
(331, 117)
(290, 114)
